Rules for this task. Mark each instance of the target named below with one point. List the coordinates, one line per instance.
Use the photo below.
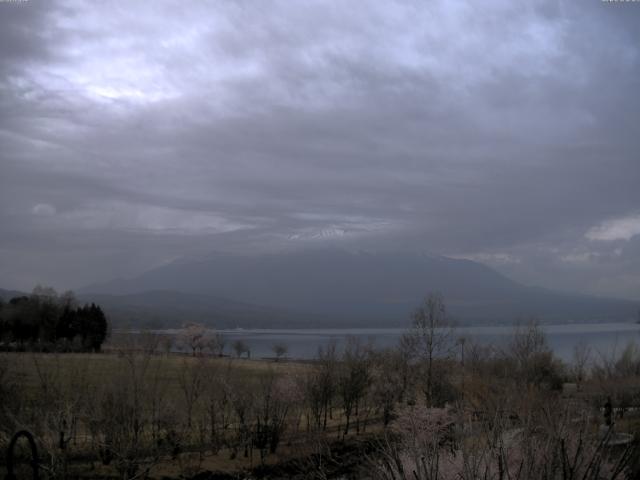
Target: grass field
(73, 386)
(129, 414)
(28, 368)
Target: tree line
(47, 321)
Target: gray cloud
(501, 132)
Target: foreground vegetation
(435, 407)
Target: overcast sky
(134, 133)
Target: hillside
(7, 295)
(337, 287)
(170, 309)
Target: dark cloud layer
(135, 133)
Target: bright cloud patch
(489, 258)
(152, 219)
(43, 210)
(617, 229)
(355, 227)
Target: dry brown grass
(32, 372)
(26, 369)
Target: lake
(604, 338)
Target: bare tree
(148, 341)
(280, 350)
(10, 394)
(167, 342)
(218, 403)
(240, 392)
(316, 460)
(327, 361)
(57, 409)
(240, 347)
(431, 336)
(527, 341)
(387, 382)
(191, 379)
(121, 422)
(318, 384)
(68, 300)
(413, 448)
(581, 359)
(354, 379)
(405, 355)
(193, 338)
(215, 343)
(275, 397)
(533, 357)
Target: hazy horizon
(136, 134)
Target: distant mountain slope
(170, 309)
(162, 308)
(7, 295)
(352, 289)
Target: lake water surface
(603, 338)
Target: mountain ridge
(364, 288)
(158, 309)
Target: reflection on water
(604, 339)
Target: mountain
(7, 295)
(337, 287)
(171, 309)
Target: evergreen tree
(46, 319)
